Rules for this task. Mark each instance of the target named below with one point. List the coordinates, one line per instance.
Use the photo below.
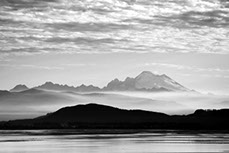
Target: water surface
(111, 141)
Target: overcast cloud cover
(99, 26)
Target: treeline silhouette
(95, 116)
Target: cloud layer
(111, 26)
(183, 67)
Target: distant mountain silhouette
(31, 91)
(19, 88)
(101, 116)
(58, 87)
(84, 88)
(52, 86)
(146, 81)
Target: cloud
(83, 40)
(98, 27)
(184, 67)
(78, 65)
(42, 67)
(21, 4)
(206, 75)
(29, 66)
(215, 76)
(195, 19)
(89, 26)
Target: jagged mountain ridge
(58, 87)
(19, 88)
(145, 81)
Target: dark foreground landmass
(95, 116)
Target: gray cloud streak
(23, 66)
(183, 67)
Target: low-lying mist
(192, 100)
(30, 105)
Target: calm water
(69, 141)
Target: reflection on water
(111, 141)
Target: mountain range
(145, 81)
(157, 93)
(102, 116)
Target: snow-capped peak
(149, 80)
(146, 81)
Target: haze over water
(93, 141)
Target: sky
(94, 41)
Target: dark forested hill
(101, 116)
